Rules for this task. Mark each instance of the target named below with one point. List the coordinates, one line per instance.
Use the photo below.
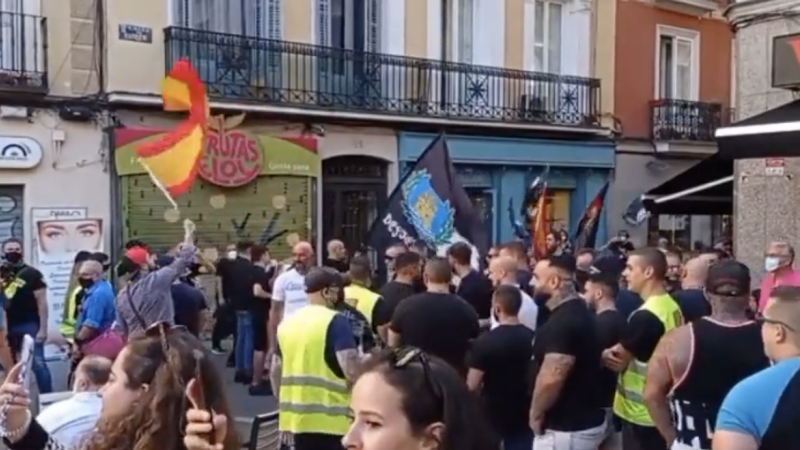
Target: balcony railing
(246, 69)
(23, 53)
(683, 120)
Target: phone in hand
(26, 358)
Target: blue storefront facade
(496, 171)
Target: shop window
(11, 212)
(688, 232)
(558, 209)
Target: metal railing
(249, 69)
(684, 120)
(23, 52)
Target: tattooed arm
(349, 361)
(669, 363)
(551, 377)
(275, 368)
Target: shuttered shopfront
(250, 186)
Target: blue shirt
(97, 308)
(766, 406)
(627, 302)
(693, 304)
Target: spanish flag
(172, 160)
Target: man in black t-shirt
(499, 367)
(26, 309)
(406, 270)
(564, 410)
(438, 322)
(474, 287)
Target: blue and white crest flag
(636, 214)
(429, 206)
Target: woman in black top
(148, 389)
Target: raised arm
(165, 276)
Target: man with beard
(695, 365)
(584, 259)
(674, 269)
(516, 251)
(406, 267)
(289, 290)
(337, 256)
(503, 272)
(26, 309)
(473, 286)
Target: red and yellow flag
(172, 160)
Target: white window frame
(266, 26)
(679, 34)
(546, 36)
(12, 40)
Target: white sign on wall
(18, 152)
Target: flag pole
(159, 185)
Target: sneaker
(217, 350)
(262, 389)
(242, 377)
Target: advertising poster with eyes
(58, 235)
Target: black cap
(729, 278)
(319, 278)
(608, 266)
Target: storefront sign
(774, 167)
(19, 153)
(786, 61)
(232, 158)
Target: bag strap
(135, 311)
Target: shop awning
(705, 189)
(772, 134)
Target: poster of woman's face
(70, 236)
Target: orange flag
(541, 227)
(172, 160)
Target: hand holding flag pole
(171, 161)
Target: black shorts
(637, 437)
(260, 339)
(317, 441)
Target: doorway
(353, 194)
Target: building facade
(355, 76)
(671, 90)
(766, 207)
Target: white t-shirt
(528, 313)
(70, 421)
(290, 288)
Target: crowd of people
(582, 350)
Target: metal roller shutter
(12, 213)
(268, 211)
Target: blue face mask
(771, 263)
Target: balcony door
(234, 64)
(348, 62)
(21, 38)
(680, 115)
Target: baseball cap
(608, 266)
(319, 278)
(729, 278)
(137, 255)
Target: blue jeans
(518, 441)
(243, 351)
(40, 370)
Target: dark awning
(772, 134)
(704, 189)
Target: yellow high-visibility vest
(70, 314)
(361, 299)
(312, 398)
(628, 403)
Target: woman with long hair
(406, 400)
(155, 381)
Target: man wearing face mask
(147, 299)
(779, 265)
(316, 360)
(96, 312)
(26, 308)
(584, 259)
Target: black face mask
(14, 257)
(85, 283)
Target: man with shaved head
(97, 312)
(503, 271)
(779, 265)
(437, 321)
(337, 256)
(289, 289)
(690, 297)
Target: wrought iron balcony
(23, 53)
(684, 120)
(247, 69)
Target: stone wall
(766, 208)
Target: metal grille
(272, 210)
(12, 212)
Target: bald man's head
(92, 373)
(503, 270)
(695, 272)
(91, 271)
(303, 254)
(336, 249)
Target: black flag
(636, 214)
(586, 234)
(429, 206)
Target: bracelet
(15, 435)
